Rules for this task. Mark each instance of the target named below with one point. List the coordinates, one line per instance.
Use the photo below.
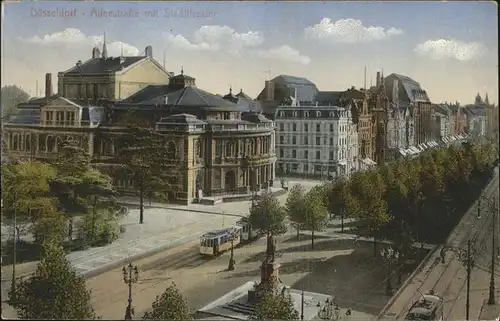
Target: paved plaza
(339, 267)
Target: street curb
(402, 288)
(139, 256)
(135, 257)
(181, 209)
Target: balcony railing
(241, 127)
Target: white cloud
(215, 38)
(284, 53)
(74, 37)
(349, 31)
(455, 49)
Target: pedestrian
(348, 312)
(442, 254)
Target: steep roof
(286, 85)
(104, 65)
(147, 92)
(241, 94)
(191, 96)
(409, 89)
(25, 116)
(326, 98)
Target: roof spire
(182, 70)
(121, 53)
(230, 89)
(104, 49)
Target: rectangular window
(294, 140)
(281, 152)
(331, 155)
(305, 168)
(306, 127)
(331, 141)
(318, 154)
(318, 128)
(282, 127)
(306, 140)
(306, 154)
(294, 153)
(294, 127)
(331, 128)
(282, 139)
(318, 141)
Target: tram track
(489, 190)
(485, 236)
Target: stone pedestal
(269, 281)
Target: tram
(429, 307)
(245, 229)
(216, 242)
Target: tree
(54, 291)
(316, 211)
(11, 97)
(295, 206)
(27, 194)
(275, 307)
(372, 216)
(267, 216)
(146, 160)
(169, 306)
(77, 185)
(338, 197)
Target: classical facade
(216, 148)
(318, 140)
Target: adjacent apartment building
(319, 140)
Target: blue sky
(235, 43)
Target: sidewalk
(162, 229)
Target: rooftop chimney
(378, 79)
(149, 51)
(96, 53)
(78, 63)
(48, 85)
(269, 90)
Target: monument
(239, 304)
(269, 274)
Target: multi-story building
(412, 96)
(319, 140)
(475, 120)
(216, 148)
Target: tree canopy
(169, 306)
(11, 97)
(54, 292)
(148, 161)
(316, 211)
(267, 216)
(420, 198)
(275, 307)
(295, 206)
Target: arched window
(171, 149)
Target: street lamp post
(467, 259)
(330, 311)
(231, 258)
(390, 256)
(130, 276)
(302, 305)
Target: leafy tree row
(414, 199)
